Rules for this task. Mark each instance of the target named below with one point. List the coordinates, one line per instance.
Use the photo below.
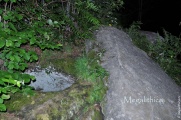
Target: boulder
(151, 36)
(138, 89)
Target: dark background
(155, 15)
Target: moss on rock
(43, 117)
(66, 65)
(62, 105)
(18, 101)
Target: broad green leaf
(12, 81)
(42, 46)
(6, 0)
(55, 22)
(32, 77)
(1, 83)
(22, 51)
(5, 17)
(13, 0)
(9, 54)
(19, 16)
(7, 30)
(50, 22)
(9, 43)
(14, 90)
(17, 44)
(2, 107)
(6, 63)
(28, 91)
(16, 65)
(59, 45)
(17, 58)
(1, 25)
(1, 100)
(4, 90)
(39, 18)
(32, 41)
(27, 56)
(11, 65)
(31, 34)
(16, 75)
(5, 97)
(46, 36)
(35, 57)
(11, 58)
(2, 43)
(18, 84)
(26, 78)
(23, 66)
(12, 26)
(62, 22)
(1, 11)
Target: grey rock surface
(138, 88)
(151, 36)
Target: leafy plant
(12, 82)
(165, 52)
(138, 39)
(89, 70)
(14, 57)
(106, 10)
(98, 92)
(44, 24)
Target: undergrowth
(43, 24)
(164, 52)
(138, 39)
(89, 70)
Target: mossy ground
(70, 103)
(18, 100)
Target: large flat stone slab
(138, 88)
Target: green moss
(55, 112)
(43, 117)
(18, 100)
(66, 65)
(97, 115)
(54, 58)
(68, 48)
(93, 113)
(56, 105)
(72, 102)
(92, 55)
